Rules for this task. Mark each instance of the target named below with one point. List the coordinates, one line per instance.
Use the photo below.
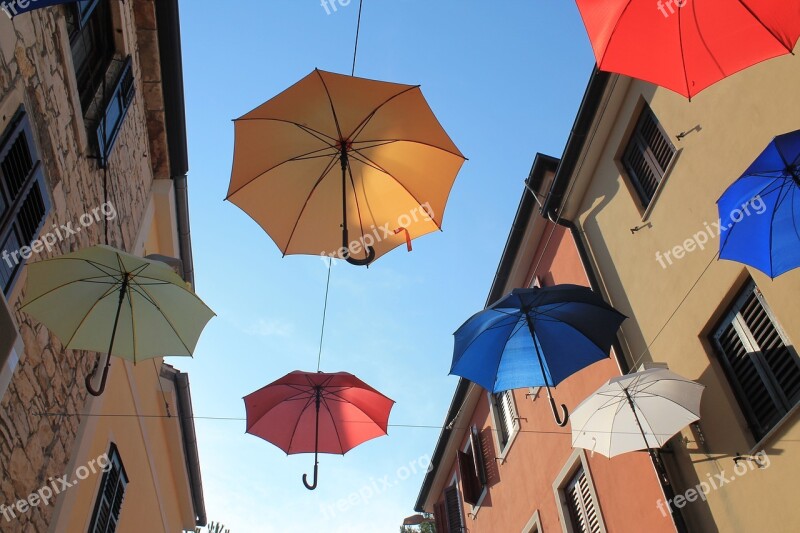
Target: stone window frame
(577, 460)
(534, 525)
(503, 449)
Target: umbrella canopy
(688, 45)
(760, 212)
(637, 411)
(335, 156)
(535, 337)
(305, 412)
(100, 299)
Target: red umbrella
(318, 412)
(687, 45)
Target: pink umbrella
(306, 412)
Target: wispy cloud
(268, 327)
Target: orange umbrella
(335, 156)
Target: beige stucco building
(92, 150)
(639, 178)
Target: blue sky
(505, 79)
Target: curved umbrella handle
(92, 390)
(564, 418)
(305, 479)
(361, 262)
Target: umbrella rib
(613, 32)
(311, 131)
(297, 424)
(333, 108)
(111, 290)
(324, 402)
(769, 30)
(360, 128)
(399, 183)
(166, 318)
(324, 174)
(410, 141)
(84, 280)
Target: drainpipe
(186, 415)
(184, 233)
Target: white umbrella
(638, 411)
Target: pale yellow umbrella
(336, 156)
(100, 299)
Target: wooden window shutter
(477, 454)
(452, 505)
(648, 155)
(581, 505)
(108, 505)
(469, 482)
(763, 371)
(24, 201)
(440, 518)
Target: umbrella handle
(92, 390)
(361, 262)
(305, 479)
(564, 418)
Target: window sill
(511, 438)
(777, 428)
(477, 507)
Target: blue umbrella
(760, 212)
(535, 338)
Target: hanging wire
(324, 312)
(358, 29)
(409, 426)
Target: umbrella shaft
(344, 162)
(538, 353)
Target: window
(472, 468)
(104, 78)
(91, 36)
(578, 507)
(581, 505)
(24, 202)
(109, 498)
(763, 370)
(647, 156)
(534, 525)
(505, 418)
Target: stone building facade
(82, 89)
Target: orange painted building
(525, 476)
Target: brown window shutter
(452, 504)
(477, 454)
(470, 484)
(439, 515)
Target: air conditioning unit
(649, 365)
(11, 347)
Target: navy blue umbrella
(535, 338)
(760, 212)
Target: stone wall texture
(36, 71)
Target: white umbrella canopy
(104, 300)
(638, 411)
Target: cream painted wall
(736, 120)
